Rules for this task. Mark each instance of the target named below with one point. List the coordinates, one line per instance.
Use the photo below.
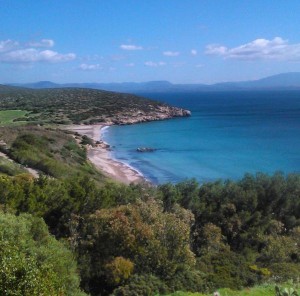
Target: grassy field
(7, 116)
(263, 290)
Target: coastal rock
(187, 113)
(145, 149)
(102, 144)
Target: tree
(142, 234)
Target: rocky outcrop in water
(145, 149)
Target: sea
(228, 135)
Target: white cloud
(215, 49)
(154, 64)
(8, 45)
(42, 43)
(14, 52)
(199, 66)
(130, 65)
(259, 49)
(90, 67)
(171, 53)
(130, 47)
(31, 55)
(194, 52)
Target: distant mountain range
(280, 81)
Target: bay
(229, 134)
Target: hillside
(75, 105)
(50, 151)
(79, 232)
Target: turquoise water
(228, 134)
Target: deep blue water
(228, 134)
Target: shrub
(119, 270)
(32, 262)
(142, 285)
(87, 141)
(282, 272)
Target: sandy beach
(100, 156)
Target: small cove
(229, 134)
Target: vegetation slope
(136, 240)
(75, 105)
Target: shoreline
(101, 158)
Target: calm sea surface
(228, 134)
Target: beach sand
(100, 157)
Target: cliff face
(154, 113)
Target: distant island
(283, 81)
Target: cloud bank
(14, 52)
(258, 49)
(8, 45)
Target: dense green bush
(32, 262)
(139, 240)
(155, 242)
(283, 272)
(251, 222)
(227, 269)
(87, 141)
(143, 285)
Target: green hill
(75, 105)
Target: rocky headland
(158, 112)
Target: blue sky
(182, 41)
